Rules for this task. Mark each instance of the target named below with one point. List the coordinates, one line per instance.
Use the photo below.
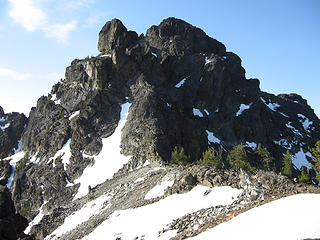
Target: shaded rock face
(184, 89)
(11, 127)
(12, 224)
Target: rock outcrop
(11, 128)
(12, 224)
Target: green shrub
(212, 158)
(287, 164)
(238, 159)
(316, 160)
(304, 177)
(265, 158)
(178, 156)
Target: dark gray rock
(114, 36)
(11, 127)
(11, 224)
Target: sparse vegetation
(238, 159)
(316, 160)
(287, 164)
(265, 158)
(212, 158)
(178, 156)
(304, 177)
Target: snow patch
(272, 106)
(36, 219)
(306, 122)
(283, 143)
(5, 126)
(251, 145)
(154, 54)
(148, 220)
(277, 216)
(13, 162)
(212, 138)
(181, 82)
(88, 210)
(76, 113)
(207, 60)
(296, 131)
(300, 159)
(2, 119)
(206, 111)
(158, 190)
(108, 161)
(64, 153)
(242, 108)
(197, 112)
(35, 159)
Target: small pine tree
(304, 177)
(178, 156)
(316, 159)
(287, 164)
(238, 159)
(265, 157)
(212, 158)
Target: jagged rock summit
(116, 118)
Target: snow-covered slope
(293, 217)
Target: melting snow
(13, 162)
(280, 219)
(106, 55)
(242, 108)
(148, 220)
(181, 82)
(293, 129)
(212, 138)
(2, 119)
(64, 153)
(158, 190)
(36, 219)
(272, 106)
(306, 123)
(109, 160)
(251, 145)
(207, 60)
(76, 113)
(300, 159)
(35, 159)
(5, 126)
(88, 210)
(197, 112)
(283, 143)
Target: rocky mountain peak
(114, 36)
(118, 117)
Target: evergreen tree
(265, 157)
(212, 158)
(238, 159)
(316, 159)
(178, 156)
(287, 164)
(304, 177)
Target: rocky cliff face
(184, 89)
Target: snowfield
(148, 220)
(295, 217)
(109, 160)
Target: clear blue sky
(278, 41)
